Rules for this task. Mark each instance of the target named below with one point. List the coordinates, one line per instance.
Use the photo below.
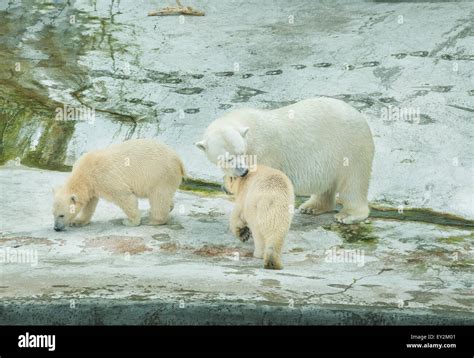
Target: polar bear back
(137, 165)
(310, 141)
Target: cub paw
(272, 264)
(153, 222)
(244, 234)
(79, 223)
(128, 222)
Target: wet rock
(190, 91)
(244, 94)
(274, 72)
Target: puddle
(244, 94)
(190, 91)
(161, 237)
(270, 283)
(322, 64)
(274, 72)
(224, 74)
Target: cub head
(66, 206)
(231, 184)
(227, 148)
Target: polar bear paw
(245, 234)
(345, 218)
(272, 263)
(79, 222)
(153, 222)
(311, 210)
(315, 207)
(128, 222)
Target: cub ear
(201, 145)
(74, 198)
(244, 131)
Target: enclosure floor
(193, 271)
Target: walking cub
(264, 202)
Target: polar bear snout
(239, 166)
(59, 224)
(224, 189)
(241, 172)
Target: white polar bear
(264, 203)
(323, 145)
(121, 173)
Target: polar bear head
(227, 148)
(65, 208)
(232, 184)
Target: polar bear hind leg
(161, 203)
(272, 253)
(268, 245)
(353, 198)
(319, 204)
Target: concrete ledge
(118, 312)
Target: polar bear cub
(121, 173)
(323, 145)
(263, 209)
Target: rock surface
(193, 271)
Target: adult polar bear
(322, 144)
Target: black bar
(348, 339)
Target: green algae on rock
(356, 233)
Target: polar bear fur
(121, 173)
(323, 145)
(264, 206)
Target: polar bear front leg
(238, 226)
(86, 213)
(129, 204)
(319, 204)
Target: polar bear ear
(201, 145)
(243, 131)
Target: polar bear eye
(61, 216)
